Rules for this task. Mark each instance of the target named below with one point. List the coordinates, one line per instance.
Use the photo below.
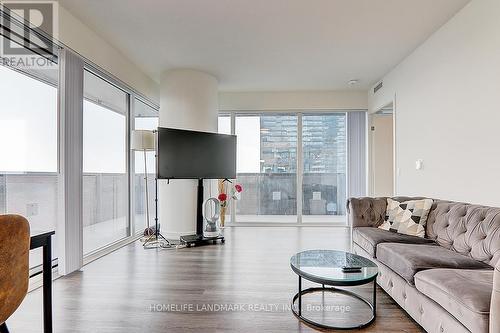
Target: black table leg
(3, 328)
(374, 297)
(300, 295)
(47, 286)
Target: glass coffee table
(325, 267)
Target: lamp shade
(142, 140)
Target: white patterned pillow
(408, 217)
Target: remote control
(351, 269)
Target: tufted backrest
(471, 230)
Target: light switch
(419, 164)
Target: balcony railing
(105, 196)
(35, 195)
(276, 194)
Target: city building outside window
(285, 184)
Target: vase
(222, 220)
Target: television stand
(197, 240)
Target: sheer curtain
(356, 153)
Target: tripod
(155, 240)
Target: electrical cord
(166, 245)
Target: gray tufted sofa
(445, 281)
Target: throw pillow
(408, 217)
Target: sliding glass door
(267, 167)
(292, 166)
(34, 174)
(323, 166)
(28, 148)
(105, 180)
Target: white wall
(293, 100)
(448, 109)
(79, 37)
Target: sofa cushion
(465, 294)
(408, 259)
(368, 238)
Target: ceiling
(268, 45)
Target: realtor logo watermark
(243, 307)
(22, 46)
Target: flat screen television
(184, 154)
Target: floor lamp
(144, 140)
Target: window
(105, 183)
(268, 160)
(28, 126)
(224, 125)
(324, 166)
(29, 143)
(145, 118)
(28, 150)
(267, 167)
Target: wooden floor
(137, 290)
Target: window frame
(335, 220)
(132, 95)
(129, 222)
(88, 65)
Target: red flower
(222, 197)
(238, 188)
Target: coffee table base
(298, 313)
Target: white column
(188, 100)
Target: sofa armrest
(495, 301)
(366, 212)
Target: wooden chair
(14, 265)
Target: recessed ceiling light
(353, 82)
